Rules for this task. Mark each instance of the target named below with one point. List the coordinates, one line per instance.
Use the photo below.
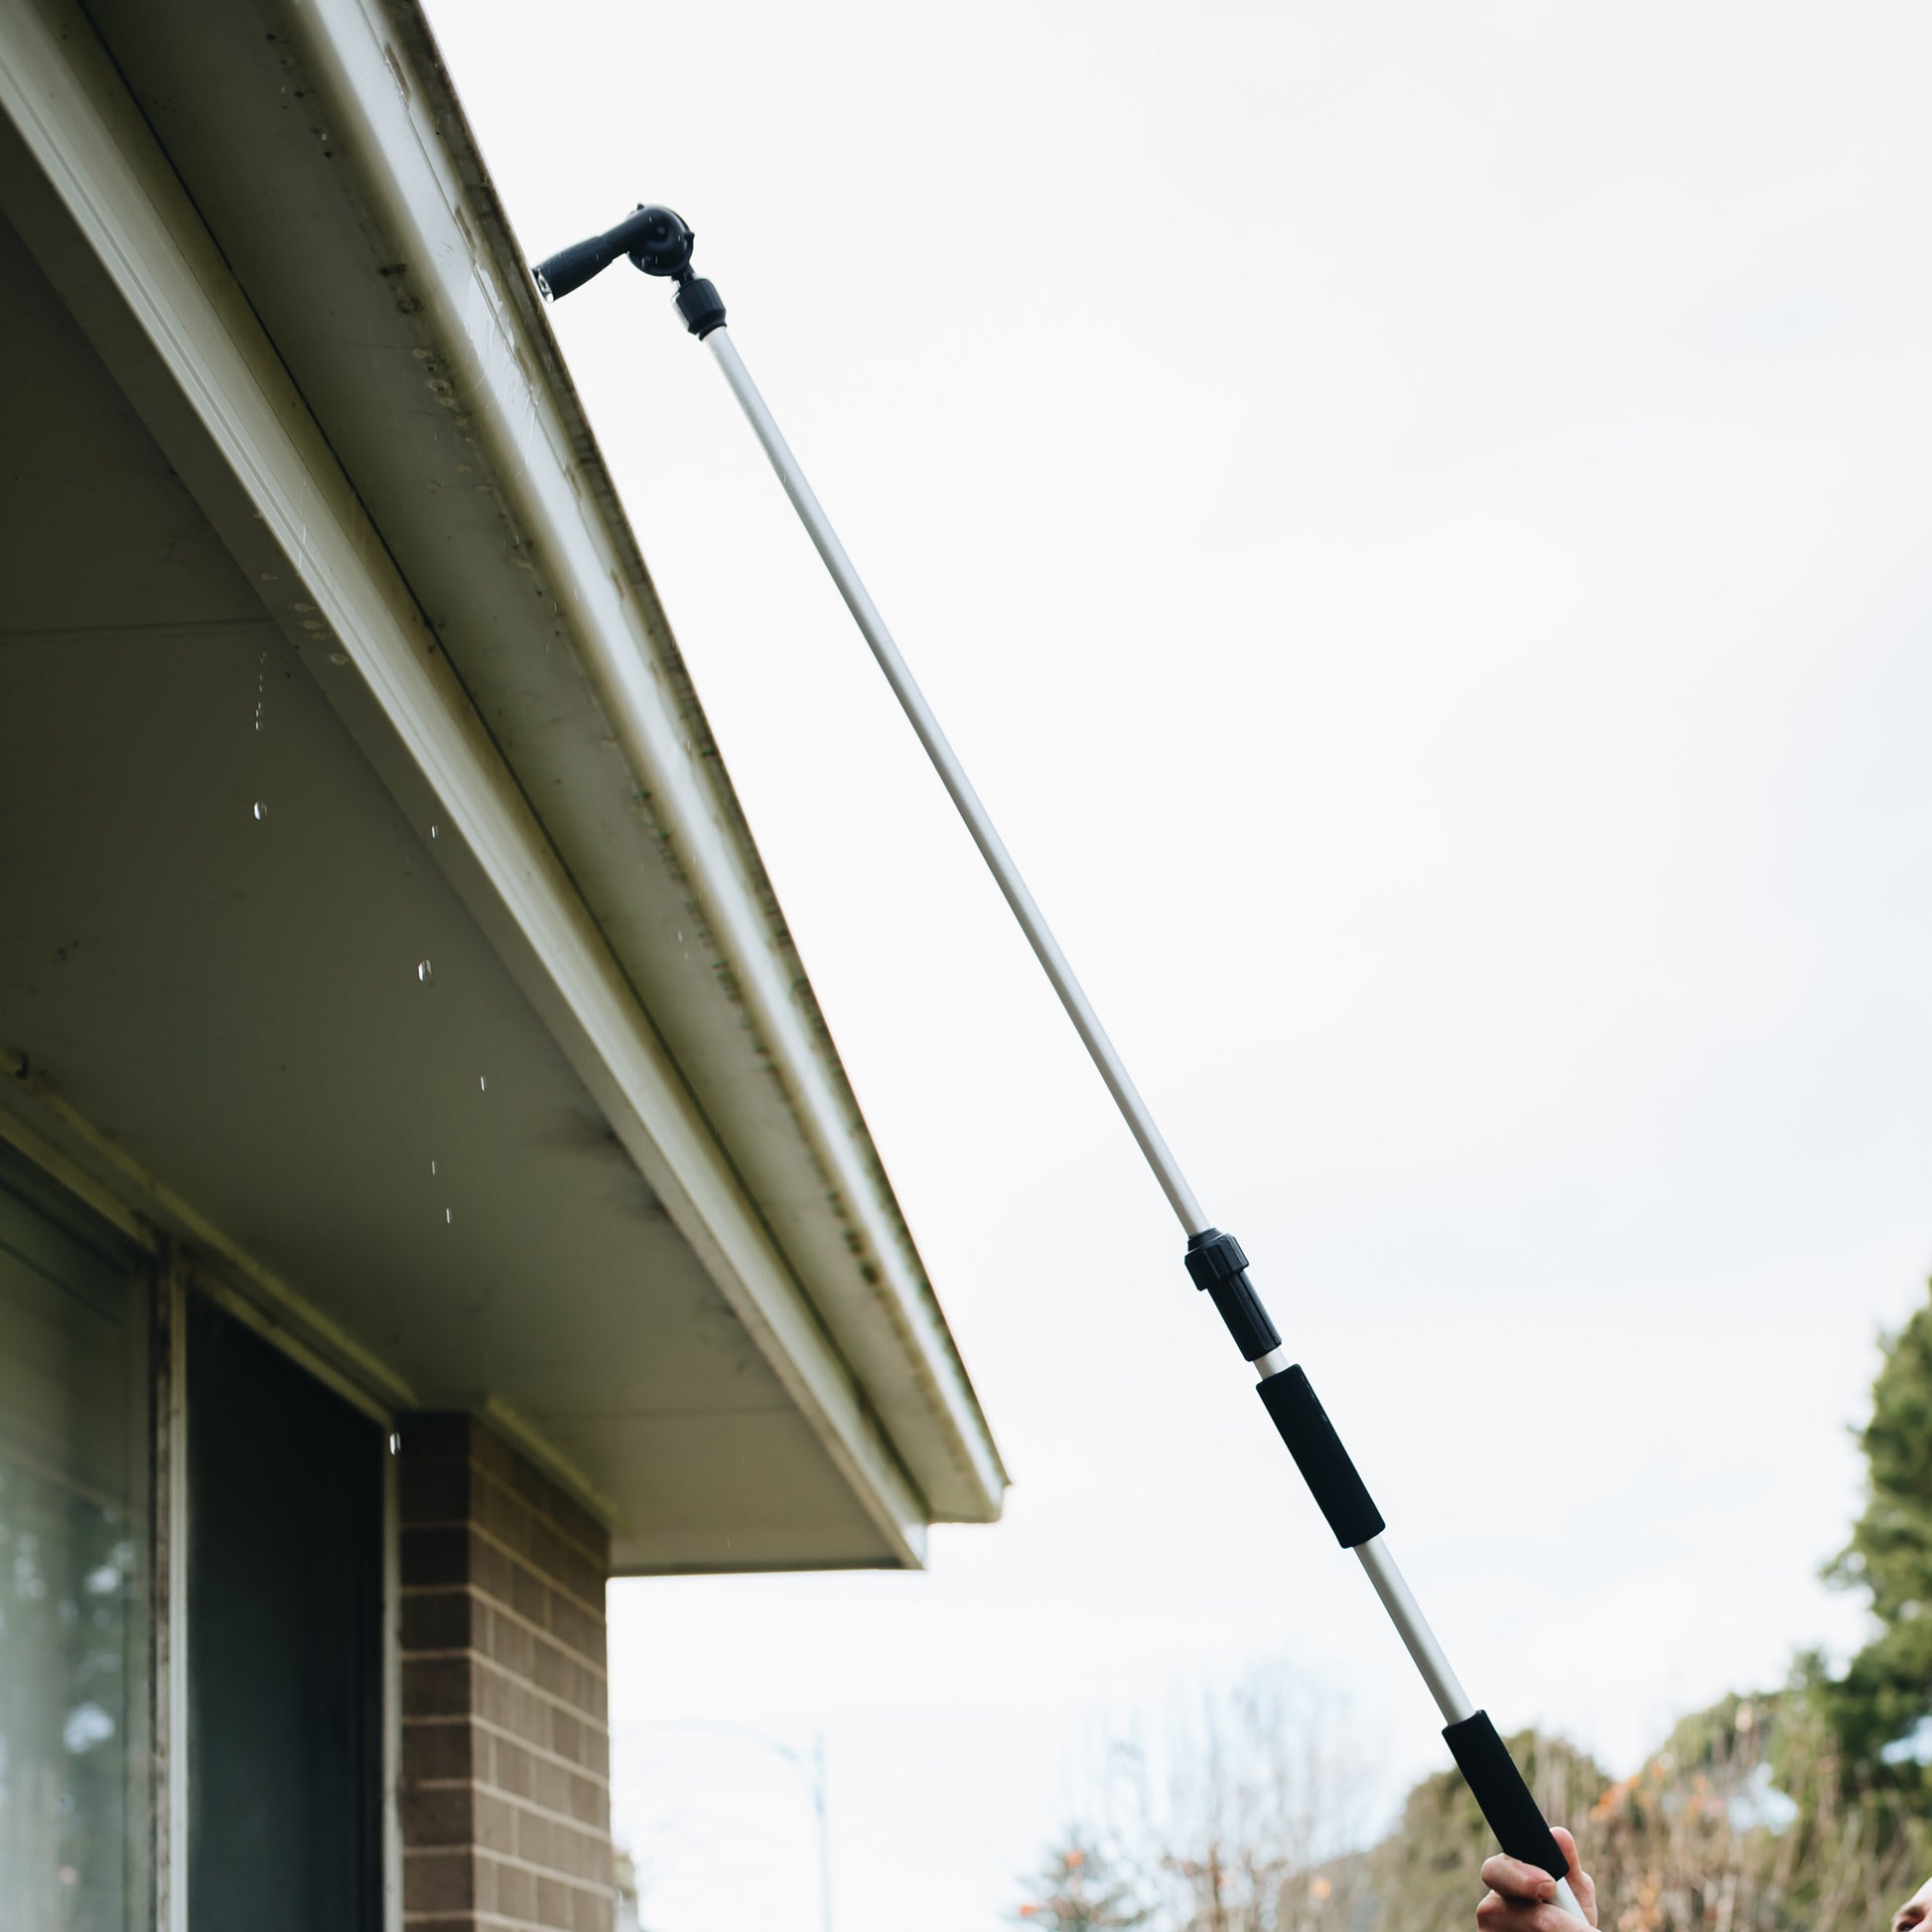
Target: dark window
(74, 1623)
(285, 1627)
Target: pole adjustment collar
(1217, 1265)
(701, 306)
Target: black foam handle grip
(1497, 1786)
(1319, 1454)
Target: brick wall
(505, 1797)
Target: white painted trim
(391, 1691)
(266, 1303)
(250, 1290)
(401, 143)
(74, 1177)
(101, 158)
(169, 1561)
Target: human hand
(1915, 1909)
(1522, 1896)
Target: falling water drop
(482, 1083)
(432, 1167)
(431, 831)
(262, 810)
(422, 971)
(395, 1442)
(448, 1218)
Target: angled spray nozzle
(657, 241)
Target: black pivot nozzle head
(658, 241)
(661, 243)
(665, 249)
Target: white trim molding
(409, 709)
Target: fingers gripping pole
(659, 243)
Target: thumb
(1580, 1880)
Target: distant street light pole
(824, 1833)
(811, 1769)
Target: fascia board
(890, 1328)
(407, 707)
(404, 143)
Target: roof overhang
(271, 225)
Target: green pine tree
(1878, 1705)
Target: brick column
(506, 1754)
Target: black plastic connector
(1497, 1786)
(701, 306)
(1217, 1262)
(1317, 1451)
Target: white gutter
(408, 707)
(404, 141)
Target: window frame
(185, 1275)
(170, 1273)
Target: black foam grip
(1497, 1785)
(1319, 1454)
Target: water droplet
(448, 1218)
(262, 810)
(432, 1167)
(395, 1442)
(482, 1083)
(431, 831)
(422, 971)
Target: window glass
(74, 1623)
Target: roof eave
(405, 248)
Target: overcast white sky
(1416, 518)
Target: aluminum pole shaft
(1451, 1700)
(659, 241)
(953, 775)
(1387, 1582)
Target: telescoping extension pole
(660, 243)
